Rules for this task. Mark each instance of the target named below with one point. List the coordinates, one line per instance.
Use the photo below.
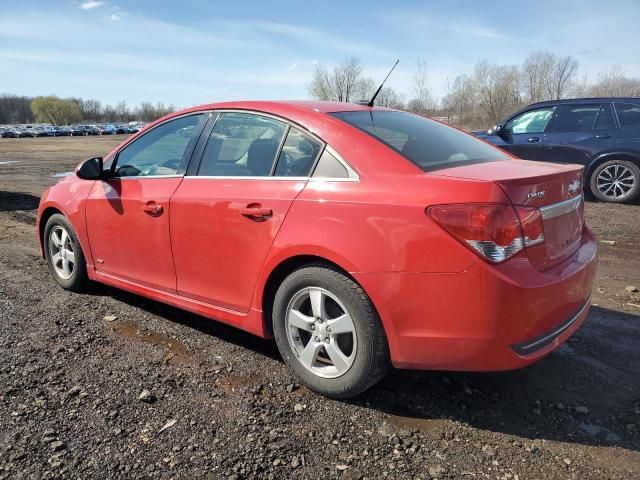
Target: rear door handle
(604, 135)
(152, 208)
(253, 211)
(533, 139)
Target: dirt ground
(221, 404)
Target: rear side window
(628, 114)
(330, 167)
(576, 118)
(298, 155)
(428, 144)
(605, 119)
(242, 145)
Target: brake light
(495, 231)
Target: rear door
(229, 208)
(523, 134)
(578, 132)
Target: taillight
(495, 231)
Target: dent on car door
(523, 134)
(226, 214)
(128, 213)
(579, 132)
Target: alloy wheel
(61, 252)
(321, 332)
(615, 181)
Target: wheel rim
(61, 252)
(321, 332)
(615, 181)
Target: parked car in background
(603, 134)
(91, 129)
(26, 132)
(62, 131)
(77, 130)
(122, 129)
(107, 129)
(345, 231)
(41, 132)
(10, 133)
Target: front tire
(329, 333)
(616, 181)
(64, 255)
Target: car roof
(281, 106)
(585, 100)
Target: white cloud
(91, 4)
(115, 17)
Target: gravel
(75, 386)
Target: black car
(603, 134)
(10, 133)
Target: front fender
(69, 198)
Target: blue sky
(189, 52)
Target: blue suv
(603, 134)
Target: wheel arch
(46, 214)
(605, 157)
(283, 269)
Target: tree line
(15, 109)
(481, 97)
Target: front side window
(298, 155)
(160, 151)
(428, 144)
(628, 114)
(576, 118)
(242, 145)
(533, 121)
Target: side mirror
(90, 169)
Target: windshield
(429, 144)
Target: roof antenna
(370, 104)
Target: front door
(128, 213)
(225, 217)
(523, 135)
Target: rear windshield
(429, 144)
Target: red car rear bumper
(486, 318)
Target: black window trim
(196, 158)
(188, 153)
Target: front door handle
(602, 136)
(253, 211)
(533, 139)
(152, 208)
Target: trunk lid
(556, 189)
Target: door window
(160, 151)
(533, 121)
(298, 155)
(605, 120)
(242, 145)
(628, 114)
(576, 118)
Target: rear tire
(616, 181)
(64, 255)
(329, 333)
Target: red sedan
(358, 237)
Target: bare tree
(389, 98)
(461, 100)
(343, 84)
(560, 82)
(537, 71)
(497, 88)
(422, 102)
(613, 83)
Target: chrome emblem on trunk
(539, 194)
